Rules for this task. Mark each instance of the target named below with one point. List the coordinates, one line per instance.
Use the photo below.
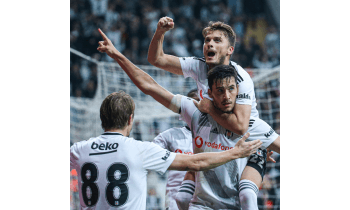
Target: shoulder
(80, 145)
(171, 131)
(175, 133)
(257, 123)
(240, 71)
(187, 106)
(193, 59)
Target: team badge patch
(167, 154)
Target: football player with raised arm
(178, 140)
(217, 188)
(219, 43)
(112, 168)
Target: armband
(175, 103)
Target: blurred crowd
(131, 24)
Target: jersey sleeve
(155, 158)
(73, 157)
(161, 141)
(261, 130)
(246, 88)
(187, 110)
(189, 67)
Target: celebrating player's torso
(197, 69)
(218, 188)
(178, 140)
(112, 170)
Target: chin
(210, 61)
(227, 110)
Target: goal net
(267, 91)
(151, 118)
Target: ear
(210, 93)
(130, 121)
(230, 50)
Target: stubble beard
(221, 62)
(227, 112)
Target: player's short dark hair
(193, 93)
(220, 26)
(115, 110)
(220, 72)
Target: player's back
(112, 170)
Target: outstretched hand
(247, 148)
(268, 156)
(165, 24)
(106, 46)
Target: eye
(220, 90)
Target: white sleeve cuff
(175, 103)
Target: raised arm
(140, 78)
(156, 54)
(237, 122)
(209, 160)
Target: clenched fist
(165, 24)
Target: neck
(226, 62)
(124, 131)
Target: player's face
(224, 94)
(216, 48)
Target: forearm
(206, 161)
(158, 58)
(155, 50)
(232, 122)
(140, 78)
(143, 80)
(275, 146)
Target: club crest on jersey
(198, 141)
(267, 135)
(215, 130)
(167, 154)
(228, 134)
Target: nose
(210, 44)
(226, 94)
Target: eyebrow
(218, 87)
(208, 36)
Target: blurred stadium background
(130, 25)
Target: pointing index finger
(103, 35)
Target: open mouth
(211, 54)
